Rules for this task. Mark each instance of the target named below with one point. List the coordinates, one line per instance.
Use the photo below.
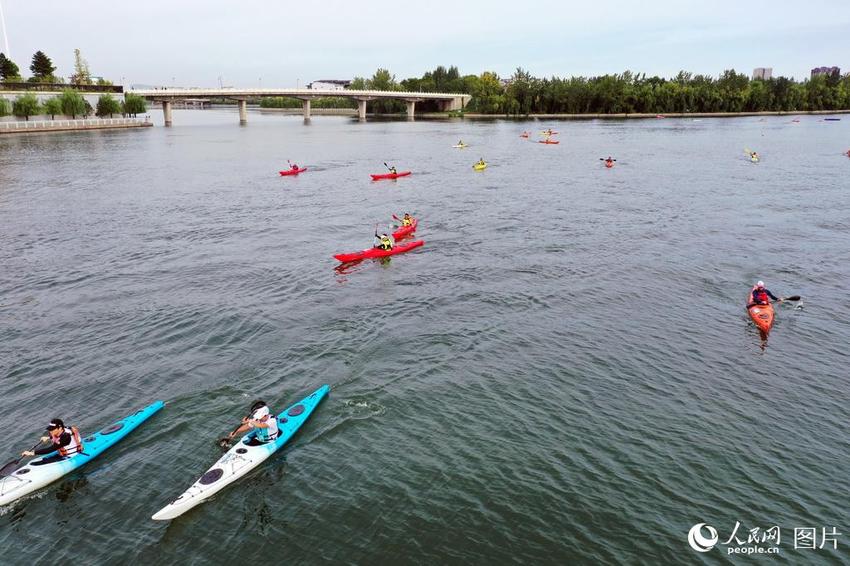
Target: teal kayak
(242, 458)
(46, 469)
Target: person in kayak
(460, 143)
(262, 420)
(754, 156)
(383, 242)
(294, 167)
(407, 220)
(63, 440)
(393, 170)
(609, 161)
(481, 162)
(760, 295)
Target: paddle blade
(793, 298)
(10, 468)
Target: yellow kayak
(480, 166)
(461, 145)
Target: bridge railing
(36, 125)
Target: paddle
(224, 442)
(791, 298)
(387, 166)
(10, 468)
(603, 159)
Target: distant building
(834, 72)
(329, 84)
(762, 73)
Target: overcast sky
(268, 43)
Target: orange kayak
(552, 142)
(762, 316)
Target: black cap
(259, 403)
(55, 423)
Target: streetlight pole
(5, 35)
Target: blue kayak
(243, 457)
(46, 469)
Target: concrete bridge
(446, 101)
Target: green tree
(384, 80)
(134, 104)
(5, 107)
(25, 106)
(82, 75)
(488, 95)
(52, 107)
(107, 106)
(41, 67)
(8, 70)
(73, 103)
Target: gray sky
(252, 42)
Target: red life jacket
(76, 444)
(760, 296)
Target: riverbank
(70, 125)
(641, 115)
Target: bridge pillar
(411, 106)
(166, 111)
(305, 105)
(243, 111)
(361, 110)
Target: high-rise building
(834, 72)
(762, 73)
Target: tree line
(72, 103)
(43, 71)
(523, 94)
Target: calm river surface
(564, 373)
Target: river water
(564, 373)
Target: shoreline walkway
(73, 125)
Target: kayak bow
(46, 469)
(762, 316)
(242, 458)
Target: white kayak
(46, 469)
(242, 458)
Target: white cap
(260, 413)
(760, 284)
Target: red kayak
(292, 171)
(609, 164)
(390, 175)
(377, 252)
(405, 231)
(553, 142)
(762, 316)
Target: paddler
(609, 162)
(262, 420)
(754, 156)
(64, 440)
(481, 162)
(760, 295)
(383, 242)
(460, 143)
(393, 170)
(407, 220)
(294, 167)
